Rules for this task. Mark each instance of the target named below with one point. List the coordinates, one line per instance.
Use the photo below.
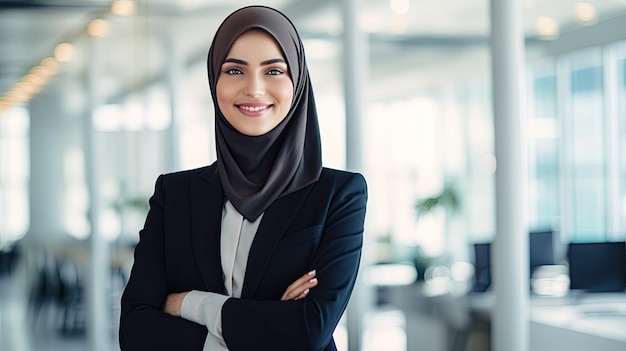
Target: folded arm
(305, 319)
(205, 308)
(308, 323)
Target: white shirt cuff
(204, 308)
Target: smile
(254, 108)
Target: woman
(260, 250)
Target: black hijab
(256, 170)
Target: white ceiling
(135, 54)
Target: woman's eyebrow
(237, 61)
(263, 63)
(272, 61)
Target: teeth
(252, 108)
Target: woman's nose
(255, 86)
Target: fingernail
(311, 272)
(313, 280)
(306, 291)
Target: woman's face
(254, 89)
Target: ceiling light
(98, 28)
(123, 7)
(50, 65)
(399, 7)
(34, 79)
(585, 12)
(547, 28)
(46, 68)
(26, 87)
(17, 96)
(64, 52)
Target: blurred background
(99, 97)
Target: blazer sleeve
(307, 324)
(143, 324)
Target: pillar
(510, 266)
(99, 323)
(356, 71)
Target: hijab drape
(256, 170)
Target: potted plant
(448, 199)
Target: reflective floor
(26, 328)
(23, 329)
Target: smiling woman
(254, 88)
(259, 251)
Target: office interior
(97, 98)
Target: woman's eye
(275, 72)
(233, 71)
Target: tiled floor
(19, 331)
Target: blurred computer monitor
(541, 251)
(541, 247)
(482, 267)
(597, 267)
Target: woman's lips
(253, 110)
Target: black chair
(70, 299)
(45, 287)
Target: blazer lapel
(207, 199)
(274, 223)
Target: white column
(46, 170)
(356, 72)
(99, 323)
(174, 71)
(510, 324)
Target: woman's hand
(174, 303)
(301, 287)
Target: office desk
(591, 322)
(594, 322)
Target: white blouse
(204, 307)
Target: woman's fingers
(301, 287)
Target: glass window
(577, 144)
(402, 165)
(544, 96)
(14, 175)
(585, 153)
(544, 184)
(479, 195)
(544, 149)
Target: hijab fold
(257, 170)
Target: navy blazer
(319, 227)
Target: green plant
(448, 198)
